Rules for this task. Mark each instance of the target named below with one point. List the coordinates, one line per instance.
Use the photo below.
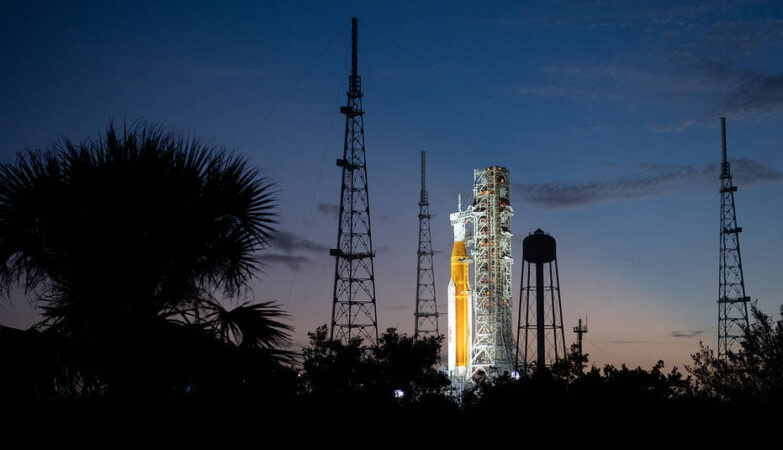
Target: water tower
(540, 334)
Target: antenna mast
(732, 301)
(580, 330)
(353, 305)
(426, 306)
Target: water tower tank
(539, 248)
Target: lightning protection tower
(540, 331)
(426, 306)
(493, 340)
(732, 301)
(353, 304)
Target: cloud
(717, 85)
(219, 72)
(739, 89)
(290, 242)
(291, 246)
(653, 180)
(748, 172)
(710, 57)
(500, 21)
(291, 261)
(756, 92)
(621, 82)
(613, 15)
(329, 209)
(668, 128)
(569, 92)
(686, 334)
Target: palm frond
(249, 325)
(138, 225)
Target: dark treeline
(132, 245)
(396, 380)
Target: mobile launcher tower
(480, 333)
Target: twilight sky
(605, 112)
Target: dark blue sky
(606, 114)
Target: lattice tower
(353, 304)
(732, 301)
(426, 306)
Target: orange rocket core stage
(459, 274)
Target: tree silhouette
(566, 385)
(752, 375)
(125, 241)
(331, 368)
(398, 371)
(408, 365)
(572, 366)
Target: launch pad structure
(487, 336)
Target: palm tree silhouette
(126, 242)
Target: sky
(606, 113)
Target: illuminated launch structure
(540, 334)
(426, 307)
(493, 342)
(732, 301)
(482, 335)
(353, 304)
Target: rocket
(459, 302)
